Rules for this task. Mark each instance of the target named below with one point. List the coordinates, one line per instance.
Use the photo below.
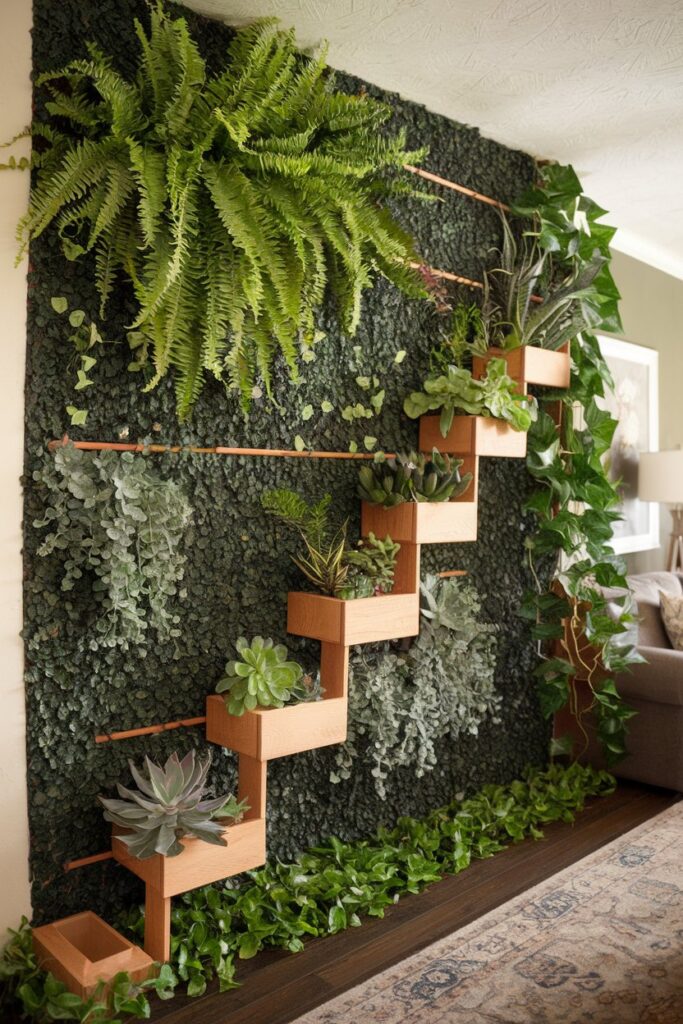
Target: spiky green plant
(168, 805)
(412, 476)
(261, 677)
(512, 316)
(230, 201)
(496, 394)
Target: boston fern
(229, 200)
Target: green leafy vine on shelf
(575, 503)
(229, 201)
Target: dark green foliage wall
(238, 561)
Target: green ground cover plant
(327, 889)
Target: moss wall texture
(238, 562)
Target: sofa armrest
(659, 680)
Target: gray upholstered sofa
(655, 690)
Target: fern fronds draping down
(230, 201)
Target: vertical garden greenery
(575, 502)
(229, 201)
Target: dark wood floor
(278, 987)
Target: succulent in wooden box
(261, 677)
(168, 805)
(372, 565)
(412, 477)
(496, 394)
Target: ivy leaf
(299, 443)
(353, 447)
(87, 363)
(363, 382)
(369, 442)
(400, 356)
(76, 317)
(82, 382)
(59, 304)
(306, 412)
(326, 406)
(377, 401)
(77, 416)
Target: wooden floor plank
(278, 987)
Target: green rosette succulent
(412, 476)
(261, 677)
(168, 805)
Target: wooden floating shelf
(365, 620)
(267, 733)
(83, 950)
(422, 522)
(530, 365)
(473, 435)
(200, 863)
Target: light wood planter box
(266, 733)
(83, 950)
(364, 620)
(530, 365)
(422, 522)
(473, 435)
(200, 863)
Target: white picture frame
(634, 403)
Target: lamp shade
(660, 477)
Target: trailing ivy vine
(230, 200)
(117, 527)
(324, 891)
(575, 502)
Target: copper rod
(448, 276)
(456, 188)
(83, 862)
(279, 453)
(149, 730)
(453, 572)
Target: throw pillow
(672, 615)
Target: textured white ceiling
(597, 83)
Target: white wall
(15, 113)
(652, 313)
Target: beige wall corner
(15, 113)
(652, 313)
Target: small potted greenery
(174, 837)
(417, 498)
(268, 707)
(357, 602)
(494, 413)
(530, 312)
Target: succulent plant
(495, 394)
(167, 805)
(262, 677)
(371, 568)
(412, 477)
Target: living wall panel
(239, 568)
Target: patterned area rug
(601, 942)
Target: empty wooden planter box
(473, 435)
(200, 863)
(365, 620)
(83, 950)
(530, 365)
(422, 522)
(266, 733)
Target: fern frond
(231, 201)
